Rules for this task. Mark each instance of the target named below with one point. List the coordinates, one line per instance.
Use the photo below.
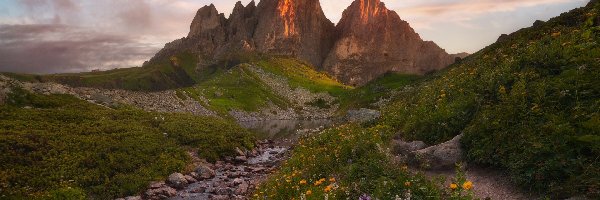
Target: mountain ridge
(299, 28)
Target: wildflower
(364, 197)
(467, 185)
(407, 184)
(328, 188)
(453, 186)
(332, 179)
(303, 182)
(319, 182)
(308, 192)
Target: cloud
(58, 48)
(426, 13)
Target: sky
(58, 36)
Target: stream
(237, 177)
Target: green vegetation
(60, 147)
(528, 104)
(236, 88)
(382, 87)
(300, 74)
(344, 163)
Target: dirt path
(488, 183)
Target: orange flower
(328, 188)
(303, 182)
(453, 186)
(407, 184)
(308, 192)
(332, 180)
(467, 185)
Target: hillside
(528, 104)
(244, 87)
(61, 147)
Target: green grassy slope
(373, 91)
(529, 104)
(65, 148)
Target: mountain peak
(369, 40)
(370, 9)
(207, 18)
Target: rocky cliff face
(294, 27)
(369, 41)
(374, 40)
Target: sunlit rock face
(369, 40)
(374, 40)
(294, 27)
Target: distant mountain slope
(530, 104)
(248, 87)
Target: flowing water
(285, 129)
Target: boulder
(205, 172)
(242, 189)
(442, 156)
(190, 179)
(177, 180)
(160, 193)
(241, 159)
(402, 147)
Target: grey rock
(177, 180)
(238, 181)
(190, 179)
(362, 115)
(223, 191)
(402, 147)
(442, 156)
(156, 185)
(241, 159)
(160, 193)
(239, 152)
(205, 172)
(242, 189)
(220, 197)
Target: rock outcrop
(369, 41)
(374, 40)
(296, 28)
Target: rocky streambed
(233, 178)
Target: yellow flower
(407, 184)
(328, 188)
(332, 179)
(303, 182)
(467, 185)
(453, 186)
(308, 192)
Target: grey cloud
(59, 48)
